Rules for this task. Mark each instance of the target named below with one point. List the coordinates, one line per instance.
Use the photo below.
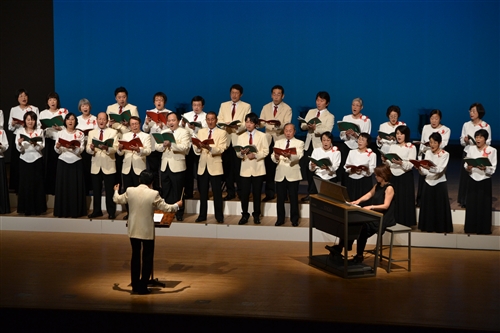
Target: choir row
(228, 148)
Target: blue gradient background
(415, 54)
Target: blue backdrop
(415, 54)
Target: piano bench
(397, 229)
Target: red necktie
(195, 117)
(134, 136)
(250, 141)
(275, 110)
(100, 136)
(287, 144)
(210, 134)
(120, 111)
(317, 116)
(234, 111)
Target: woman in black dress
(70, 200)
(30, 142)
(380, 199)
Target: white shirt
(470, 129)
(1, 120)
(28, 152)
(18, 113)
(4, 143)
(87, 124)
(437, 174)
(365, 126)
(427, 130)
(50, 132)
(489, 152)
(70, 155)
(154, 127)
(406, 152)
(386, 127)
(357, 158)
(201, 119)
(333, 154)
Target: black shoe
(268, 198)
(95, 214)
(201, 219)
(244, 219)
(256, 220)
(179, 217)
(111, 217)
(357, 259)
(295, 224)
(220, 221)
(278, 223)
(125, 217)
(145, 291)
(335, 249)
(305, 199)
(229, 197)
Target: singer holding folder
(288, 175)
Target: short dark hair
(20, 91)
(198, 99)
(278, 87)
(211, 112)
(367, 137)
(175, 114)
(121, 89)
(69, 115)
(146, 177)
(103, 112)
(436, 137)
(436, 111)
(383, 171)
(329, 135)
(32, 115)
(253, 118)
(237, 87)
(159, 94)
(482, 132)
(480, 109)
(56, 96)
(324, 95)
(135, 118)
(392, 108)
(405, 130)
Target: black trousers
(215, 182)
(172, 184)
(292, 189)
(231, 164)
(192, 161)
(153, 163)
(270, 172)
(255, 184)
(129, 180)
(109, 182)
(140, 281)
(306, 173)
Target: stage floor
(454, 289)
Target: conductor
(142, 201)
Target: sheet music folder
(331, 190)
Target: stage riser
(248, 232)
(268, 209)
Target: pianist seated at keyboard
(380, 199)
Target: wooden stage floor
(75, 282)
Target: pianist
(380, 199)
